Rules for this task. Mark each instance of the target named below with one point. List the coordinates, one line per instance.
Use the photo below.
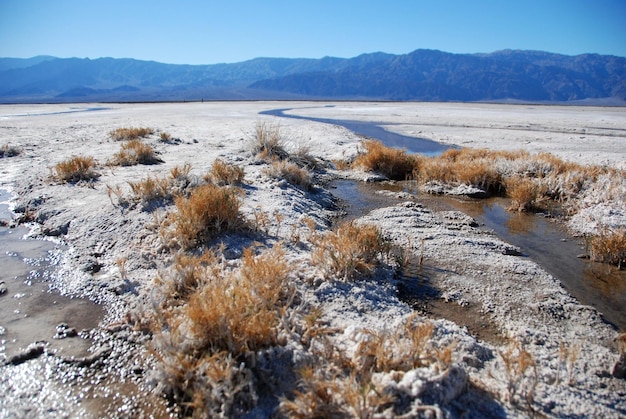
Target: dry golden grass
(521, 371)
(120, 134)
(75, 169)
(150, 189)
(525, 193)
(268, 142)
(292, 173)
(134, 152)
(338, 385)
(609, 246)
(223, 173)
(390, 162)
(349, 251)
(211, 325)
(241, 312)
(209, 210)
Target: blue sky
(226, 31)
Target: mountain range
(422, 75)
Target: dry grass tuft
(349, 251)
(134, 152)
(209, 210)
(609, 246)
(223, 173)
(390, 162)
(9, 151)
(121, 134)
(150, 189)
(241, 312)
(212, 324)
(268, 142)
(292, 173)
(76, 169)
(526, 194)
(521, 371)
(336, 384)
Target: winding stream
(541, 239)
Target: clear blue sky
(227, 31)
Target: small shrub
(134, 152)
(209, 210)
(9, 151)
(216, 320)
(240, 313)
(609, 246)
(75, 169)
(338, 385)
(393, 163)
(525, 194)
(130, 133)
(150, 189)
(268, 142)
(349, 251)
(223, 173)
(292, 173)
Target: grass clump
(9, 151)
(349, 251)
(393, 163)
(337, 384)
(76, 169)
(526, 194)
(135, 152)
(268, 142)
(292, 173)
(121, 134)
(609, 246)
(209, 210)
(223, 173)
(216, 321)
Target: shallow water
(374, 130)
(539, 238)
(543, 240)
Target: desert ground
(549, 354)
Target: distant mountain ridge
(422, 75)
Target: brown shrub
(292, 173)
(393, 163)
(207, 211)
(338, 385)
(120, 134)
(76, 169)
(134, 152)
(349, 251)
(268, 142)
(223, 173)
(525, 194)
(609, 246)
(241, 312)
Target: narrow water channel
(541, 239)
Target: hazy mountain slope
(435, 75)
(419, 75)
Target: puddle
(30, 311)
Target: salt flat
(525, 303)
